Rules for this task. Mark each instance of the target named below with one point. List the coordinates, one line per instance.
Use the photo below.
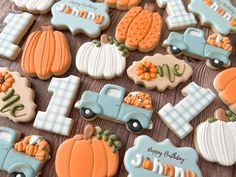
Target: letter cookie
(54, 119)
(81, 16)
(140, 29)
(16, 97)
(102, 59)
(177, 117)
(153, 159)
(92, 154)
(46, 53)
(17, 26)
(178, 18)
(159, 72)
(122, 4)
(215, 139)
(225, 85)
(35, 6)
(220, 15)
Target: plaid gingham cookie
(54, 119)
(10, 37)
(177, 118)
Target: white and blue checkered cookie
(177, 118)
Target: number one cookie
(17, 26)
(177, 118)
(178, 18)
(54, 119)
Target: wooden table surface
(202, 75)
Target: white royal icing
(216, 142)
(105, 61)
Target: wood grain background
(202, 76)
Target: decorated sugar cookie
(177, 117)
(46, 53)
(215, 139)
(150, 158)
(16, 27)
(140, 29)
(219, 14)
(81, 16)
(225, 85)
(178, 18)
(215, 50)
(35, 6)
(122, 4)
(135, 109)
(23, 158)
(91, 154)
(159, 72)
(102, 59)
(16, 97)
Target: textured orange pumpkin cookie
(46, 54)
(92, 154)
(122, 4)
(140, 29)
(225, 85)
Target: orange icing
(123, 4)
(6, 81)
(46, 53)
(140, 28)
(225, 42)
(169, 169)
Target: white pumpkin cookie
(102, 59)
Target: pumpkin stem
(47, 28)
(220, 115)
(88, 131)
(104, 39)
(150, 6)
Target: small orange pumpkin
(6, 81)
(148, 164)
(93, 154)
(220, 41)
(46, 53)
(146, 70)
(122, 4)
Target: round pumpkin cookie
(140, 29)
(91, 154)
(46, 54)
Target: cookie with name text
(95, 153)
(150, 158)
(140, 28)
(16, 97)
(122, 4)
(81, 16)
(220, 15)
(215, 139)
(102, 59)
(159, 72)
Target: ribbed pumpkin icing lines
(46, 54)
(140, 29)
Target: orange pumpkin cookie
(92, 154)
(140, 29)
(225, 85)
(46, 54)
(122, 4)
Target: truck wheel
(16, 174)
(87, 113)
(216, 63)
(134, 126)
(174, 50)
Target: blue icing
(82, 16)
(209, 15)
(181, 159)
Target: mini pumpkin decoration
(6, 81)
(220, 41)
(215, 139)
(92, 154)
(225, 85)
(148, 164)
(122, 4)
(146, 70)
(46, 54)
(102, 59)
(140, 29)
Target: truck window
(114, 93)
(195, 34)
(5, 136)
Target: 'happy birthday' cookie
(81, 16)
